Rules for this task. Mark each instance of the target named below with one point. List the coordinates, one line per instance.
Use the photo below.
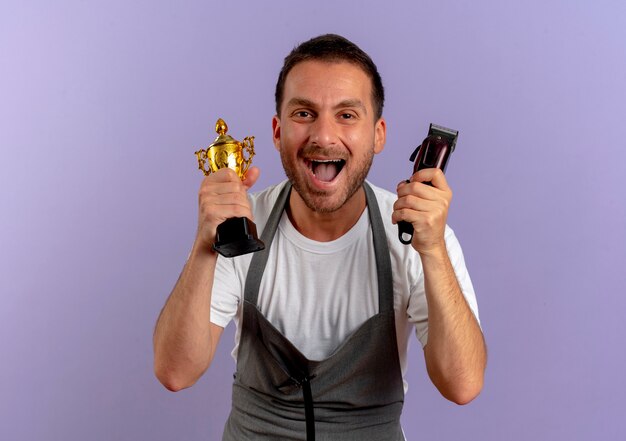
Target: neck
(324, 227)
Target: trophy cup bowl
(235, 236)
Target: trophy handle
(248, 146)
(202, 158)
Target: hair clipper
(434, 152)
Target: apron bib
(356, 394)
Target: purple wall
(101, 108)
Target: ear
(276, 131)
(380, 135)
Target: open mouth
(326, 170)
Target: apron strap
(309, 416)
(381, 252)
(259, 259)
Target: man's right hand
(185, 339)
(222, 195)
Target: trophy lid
(223, 139)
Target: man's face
(327, 134)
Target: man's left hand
(425, 207)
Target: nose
(323, 131)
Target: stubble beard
(318, 200)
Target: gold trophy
(237, 235)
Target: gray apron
(355, 394)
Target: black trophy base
(237, 236)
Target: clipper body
(434, 152)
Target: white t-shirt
(318, 293)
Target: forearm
(183, 342)
(455, 353)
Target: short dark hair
(332, 48)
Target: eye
(302, 114)
(347, 116)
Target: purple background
(102, 105)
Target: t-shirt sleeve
(226, 293)
(418, 309)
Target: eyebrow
(300, 102)
(297, 101)
(352, 103)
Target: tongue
(325, 171)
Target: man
(325, 313)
